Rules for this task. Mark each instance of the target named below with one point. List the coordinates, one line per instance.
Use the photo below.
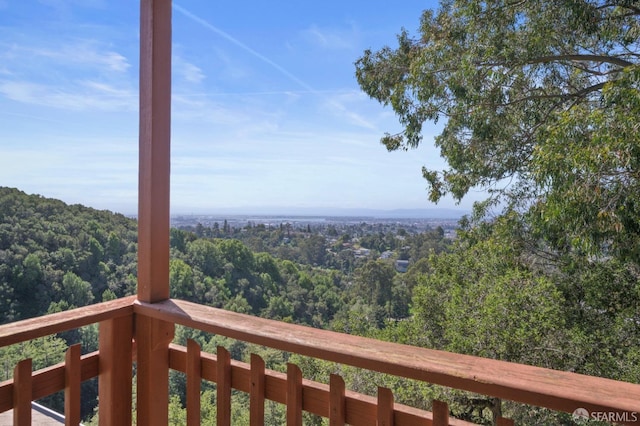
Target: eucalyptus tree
(540, 105)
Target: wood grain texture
(115, 378)
(294, 395)
(154, 150)
(73, 379)
(22, 393)
(49, 380)
(337, 403)
(440, 413)
(194, 380)
(385, 407)
(223, 388)
(315, 396)
(256, 394)
(152, 342)
(32, 328)
(557, 390)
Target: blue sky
(266, 109)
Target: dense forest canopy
(484, 293)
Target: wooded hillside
(487, 293)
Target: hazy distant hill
(430, 213)
(54, 256)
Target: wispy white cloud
(202, 111)
(241, 45)
(348, 106)
(188, 71)
(228, 68)
(86, 95)
(192, 73)
(331, 38)
(84, 53)
(87, 53)
(73, 75)
(328, 39)
(65, 4)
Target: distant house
(362, 252)
(402, 265)
(386, 254)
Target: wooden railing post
(114, 379)
(152, 340)
(22, 392)
(155, 150)
(153, 336)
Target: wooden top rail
(557, 390)
(32, 328)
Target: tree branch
(576, 57)
(582, 58)
(635, 10)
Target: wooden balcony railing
(139, 330)
(125, 322)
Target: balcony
(136, 333)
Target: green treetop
(539, 102)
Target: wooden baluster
(114, 379)
(223, 388)
(194, 380)
(440, 413)
(72, 382)
(22, 391)
(256, 394)
(337, 403)
(294, 395)
(385, 407)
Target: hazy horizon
(418, 213)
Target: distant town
(321, 224)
